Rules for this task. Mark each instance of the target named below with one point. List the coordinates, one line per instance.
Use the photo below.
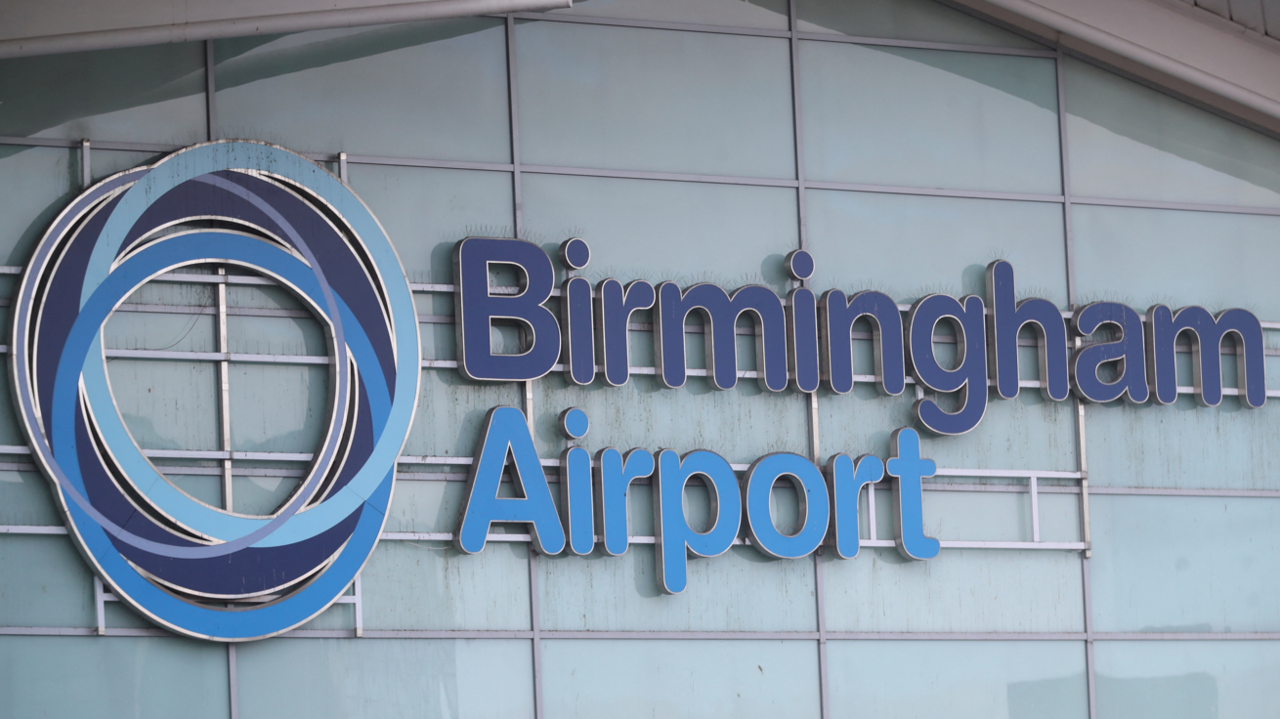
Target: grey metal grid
(535, 634)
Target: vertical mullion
(233, 688)
(210, 104)
(513, 108)
(224, 385)
(1082, 457)
(814, 436)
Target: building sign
(179, 561)
(174, 559)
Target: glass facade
(1099, 560)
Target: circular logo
(179, 561)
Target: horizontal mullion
(207, 310)
(661, 176)
(179, 355)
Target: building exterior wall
(1100, 560)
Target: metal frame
(1033, 485)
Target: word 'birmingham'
(806, 340)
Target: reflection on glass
(927, 118)
(903, 20)
(625, 98)
(1185, 564)
(138, 94)
(734, 679)
(1128, 141)
(766, 14)
(958, 679)
(435, 90)
(1173, 680)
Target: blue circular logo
(179, 561)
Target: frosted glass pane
(960, 590)
(656, 231)
(1129, 141)
(147, 678)
(766, 14)
(386, 678)
(26, 498)
(278, 408)
(46, 583)
(1142, 257)
(39, 182)
(431, 585)
(1185, 564)
(719, 678)
(1184, 445)
(276, 335)
(451, 410)
(860, 240)
(958, 680)
(425, 211)
(137, 94)
(1185, 680)
(160, 331)
(741, 590)
(902, 20)
(926, 118)
(430, 90)
(167, 404)
(625, 98)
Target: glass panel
(276, 335)
(105, 163)
(26, 498)
(625, 98)
(174, 332)
(961, 590)
(123, 676)
(11, 433)
(433, 90)
(1185, 564)
(1212, 259)
(741, 590)
(46, 583)
(860, 239)
(39, 182)
(1129, 141)
(167, 404)
(261, 495)
(426, 211)
(958, 680)
(1185, 680)
(451, 410)
(902, 20)
(137, 94)
(764, 14)
(385, 678)
(656, 231)
(925, 118)
(278, 408)
(718, 678)
(431, 585)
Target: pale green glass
(160, 331)
(151, 94)
(763, 14)
(633, 99)
(910, 246)
(958, 679)
(903, 20)
(1185, 680)
(960, 590)
(426, 211)
(1132, 142)
(167, 405)
(435, 90)
(26, 498)
(1184, 564)
(39, 182)
(740, 590)
(144, 677)
(926, 118)
(278, 408)
(386, 678)
(709, 678)
(451, 411)
(431, 585)
(260, 495)
(656, 231)
(46, 583)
